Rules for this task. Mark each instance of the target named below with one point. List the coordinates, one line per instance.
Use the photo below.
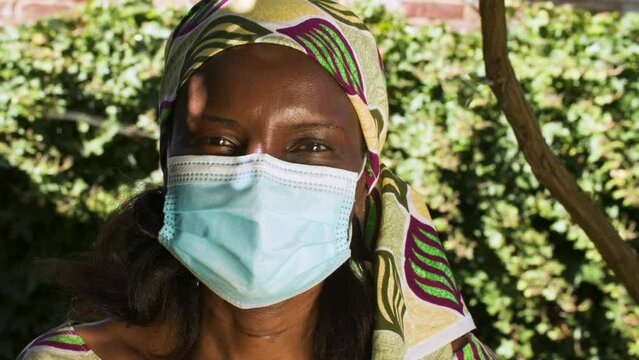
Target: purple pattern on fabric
(473, 347)
(165, 109)
(52, 332)
(199, 17)
(65, 329)
(411, 252)
(448, 286)
(320, 39)
(314, 31)
(60, 345)
(165, 104)
(474, 350)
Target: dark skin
(258, 98)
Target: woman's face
(264, 98)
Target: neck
(281, 331)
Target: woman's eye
(217, 141)
(312, 147)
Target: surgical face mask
(254, 229)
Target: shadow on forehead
(252, 58)
(268, 76)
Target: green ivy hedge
(78, 134)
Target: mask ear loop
(361, 172)
(357, 267)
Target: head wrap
(419, 309)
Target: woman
(277, 234)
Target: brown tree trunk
(547, 168)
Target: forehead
(266, 79)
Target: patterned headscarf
(419, 309)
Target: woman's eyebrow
(220, 120)
(317, 125)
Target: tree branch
(547, 168)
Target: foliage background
(78, 135)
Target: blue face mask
(254, 229)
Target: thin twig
(96, 121)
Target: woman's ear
(360, 199)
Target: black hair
(131, 277)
